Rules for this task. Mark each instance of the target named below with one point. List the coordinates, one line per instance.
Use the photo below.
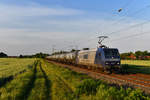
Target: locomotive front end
(112, 59)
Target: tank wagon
(107, 59)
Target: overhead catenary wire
(123, 29)
(132, 14)
(135, 25)
(127, 4)
(130, 36)
(127, 28)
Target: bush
(135, 95)
(87, 86)
(109, 93)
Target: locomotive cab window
(111, 53)
(85, 56)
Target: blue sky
(32, 26)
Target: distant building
(132, 56)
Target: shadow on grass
(134, 69)
(5, 80)
(27, 88)
(47, 83)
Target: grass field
(36, 79)
(143, 63)
(137, 66)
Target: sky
(32, 26)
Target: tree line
(37, 55)
(63, 52)
(138, 55)
(3, 55)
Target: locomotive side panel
(100, 58)
(87, 57)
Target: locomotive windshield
(111, 53)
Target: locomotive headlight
(118, 63)
(106, 63)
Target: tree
(145, 53)
(21, 56)
(41, 55)
(126, 55)
(138, 54)
(73, 50)
(3, 55)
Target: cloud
(30, 29)
(13, 10)
(14, 16)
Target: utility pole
(53, 48)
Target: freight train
(104, 58)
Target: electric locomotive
(107, 59)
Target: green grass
(60, 89)
(46, 81)
(15, 89)
(41, 86)
(136, 66)
(85, 88)
(143, 63)
(11, 66)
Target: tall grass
(15, 89)
(144, 63)
(46, 81)
(39, 90)
(86, 88)
(73, 79)
(11, 66)
(136, 66)
(106, 92)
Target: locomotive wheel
(108, 70)
(93, 68)
(103, 69)
(99, 69)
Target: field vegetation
(46, 81)
(142, 63)
(136, 66)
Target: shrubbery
(138, 55)
(97, 90)
(112, 93)
(88, 86)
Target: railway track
(141, 81)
